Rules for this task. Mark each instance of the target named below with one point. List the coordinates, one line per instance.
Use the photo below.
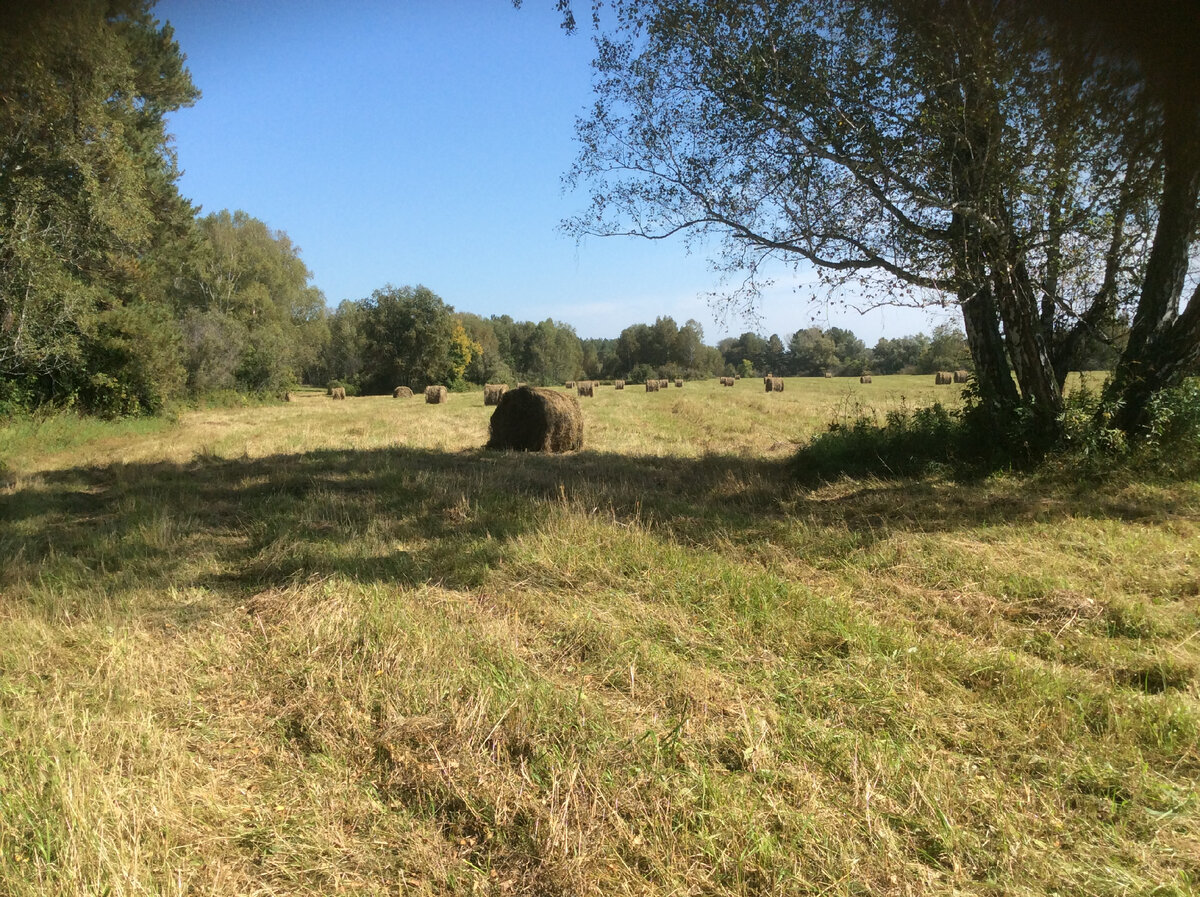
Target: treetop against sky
(409, 143)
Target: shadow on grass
(412, 516)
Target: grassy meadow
(338, 648)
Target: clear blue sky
(424, 142)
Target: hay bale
(586, 388)
(436, 395)
(492, 393)
(943, 378)
(402, 392)
(618, 384)
(287, 397)
(338, 392)
(829, 375)
(777, 384)
(664, 383)
(521, 383)
(961, 376)
(651, 386)
(865, 378)
(679, 384)
(529, 419)
(769, 383)
(570, 384)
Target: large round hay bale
(962, 376)
(531, 419)
(570, 384)
(402, 392)
(865, 378)
(436, 395)
(679, 383)
(586, 388)
(769, 383)
(777, 384)
(943, 378)
(338, 392)
(651, 386)
(492, 392)
(618, 384)
(829, 375)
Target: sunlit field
(330, 647)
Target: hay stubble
(318, 649)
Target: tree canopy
(89, 211)
(917, 151)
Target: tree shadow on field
(413, 516)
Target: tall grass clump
(908, 442)
(974, 439)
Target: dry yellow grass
(322, 649)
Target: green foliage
(908, 443)
(1175, 419)
(978, 438)
(946, 351)
(408, 338)
(900, 355)
(1170, 443)
(812, 352)
(135, 362)
(213, 344)
(251, 320)
(88, 202)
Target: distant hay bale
(436, 395)
(943, 378)
(865, 378)
(586, 388)
(338, 392)
(618, 384)
(492, 393)
(664, 383)
(679, 383)
(829, 375)
(570, 384)
(961, 376)
(651, 386)
(777, 384)
(287, 397)
(402, 392)
(769, 383)
(530, 419)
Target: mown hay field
(337, 647)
